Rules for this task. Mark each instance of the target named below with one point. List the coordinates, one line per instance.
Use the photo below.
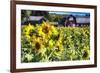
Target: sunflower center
(31, 32)
(57, 49)
(58, 36)
(45, 29)
(37, 45)
(85, 54)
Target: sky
(70, 13)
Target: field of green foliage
(46, 43)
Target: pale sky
(70, 13)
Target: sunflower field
(45, 43)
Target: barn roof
(81, 19)
(32, 18)
(35, 18)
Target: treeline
(49, 17)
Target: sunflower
(85, 54)
(44, 30)
(38, 46)
(27, 30)
(51, 43)
(54, 30)
(58, 49)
